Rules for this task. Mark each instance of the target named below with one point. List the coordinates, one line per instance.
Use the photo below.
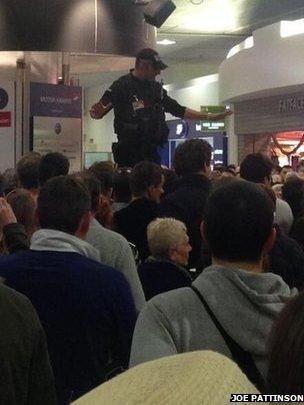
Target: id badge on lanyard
(137, 104)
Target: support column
(66, 68)
(233, 157)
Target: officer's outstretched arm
(197, 115)
(99, 110)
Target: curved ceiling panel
(101, 26)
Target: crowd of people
(113, 277)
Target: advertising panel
(181, 130)
(52, 134)
(56, 113)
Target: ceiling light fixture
(166, 42)
(290, 28)
(212, 17)
(196, 2)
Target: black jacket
(186, 202)
(26, 374)
(161, 276)
(132, 222)
(287, 260)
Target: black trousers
(128, 154)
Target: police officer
(140, 104)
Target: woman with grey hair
(169, 246)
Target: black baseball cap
(152, 56)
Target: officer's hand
(221, 116)
(97, 110)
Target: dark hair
(10, 180)
(231, 167)
(277, 168)
(104, 172)
(219, 167)
(191, 156)
(256, 167)
(238, 220)
(293, 193)
(51, 165)
(28, 170)
(93, 186)
(62, 202)
(170, 178)
(144, 175)
(229, 172)
(121, 185)
(286, 360)
(2, 185)
(24, 206)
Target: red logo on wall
(5, 119)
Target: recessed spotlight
(166, 42)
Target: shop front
(272, 125)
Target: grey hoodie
(245, 303)
(51, 239)
(115, 251)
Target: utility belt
(154, 132)
(130, 126)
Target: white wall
(196, 92)
(98, 134)
(274, 65)
(179, 72)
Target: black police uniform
(139, 109)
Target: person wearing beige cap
(196, 378)
(140, 103)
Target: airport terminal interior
(151, 202)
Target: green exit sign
(209, 126)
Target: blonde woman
(165, 269)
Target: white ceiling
(229, 16)
(210, 29)
(206, 32)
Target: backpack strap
(242, 357)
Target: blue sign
(51, 100)
(3, 98)
(178, 129)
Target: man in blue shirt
(86, 308)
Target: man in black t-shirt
(140, 104)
